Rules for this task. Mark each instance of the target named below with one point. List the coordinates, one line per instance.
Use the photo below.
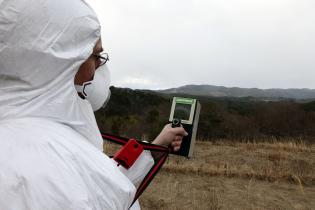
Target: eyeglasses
(101, 58)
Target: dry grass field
(236, 176)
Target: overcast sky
(157, 44)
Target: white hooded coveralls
(50, 147)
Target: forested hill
(220, 91)
(142, 114)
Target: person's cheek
(91, 70)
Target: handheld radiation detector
(185, 112)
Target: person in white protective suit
(50, 146)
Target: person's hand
(171, 136)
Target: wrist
(158, 141)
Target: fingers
(179, 133)
(177, 143)
(176, 148)
(178, 138)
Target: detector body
(186, 111)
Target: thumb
(180, 131)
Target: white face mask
(97, 90)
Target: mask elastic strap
(81, 88)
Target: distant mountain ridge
(221, 91)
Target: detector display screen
(182, 111)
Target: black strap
(147, 146)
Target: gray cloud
(246, 43)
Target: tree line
(142, 114)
